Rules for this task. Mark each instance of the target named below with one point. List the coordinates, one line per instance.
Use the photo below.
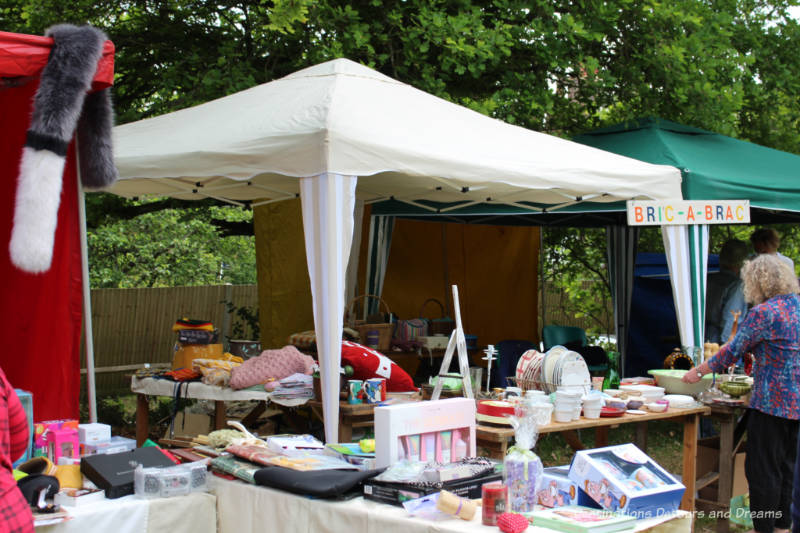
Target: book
(580, 519)
(55, 516)
(78, 497)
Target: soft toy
(368, 363)
(271, 365)
(61, 105)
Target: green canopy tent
(713, 167)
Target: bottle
(612, 376)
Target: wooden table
(358, 415)
(145, 387)
(496, 438)
(732, 428)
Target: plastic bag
(522, 469)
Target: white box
(435, 342)
(94, 433)
(116, 444)
(420, 420)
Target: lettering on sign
(683, 212)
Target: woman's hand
(691, 376)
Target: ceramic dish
(656, 407)
(610, 412)
(613, 392)
(680, 401)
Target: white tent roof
(337, 130)
(344, 118)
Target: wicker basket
(350, 312)
(383, 329)
(384, 332)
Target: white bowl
(656, 407)
(613, 392)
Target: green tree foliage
(557, 66)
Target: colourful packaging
(616, 477)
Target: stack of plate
(529, 369)
(680, 401)
(558, 367)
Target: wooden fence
(134, 326)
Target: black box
(114, 472)
(397, 493)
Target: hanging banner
(687, 212)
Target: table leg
(689, 461)
(345, 431)
(600, 436)
(142, 422)
(641, 436)
(573, 440)
(220, 415)
(726, 459)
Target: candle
(494, 500)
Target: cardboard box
(708, 461)
(557, 489)
(189, 425)
(405, 430)
(623, 478)
(114, 472)
(397, 493)
(94, 433)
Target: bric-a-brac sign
(684, 212)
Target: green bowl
(734, 389)
(670, 379)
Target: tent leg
(87, 304)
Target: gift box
(94, 433)
(397, 493)
(623, 478)
(558, 490)
(62, 443)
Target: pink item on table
(275, 364)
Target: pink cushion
(271, 364)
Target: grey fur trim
(66, 79)
(95, 153)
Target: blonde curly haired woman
(771, 332)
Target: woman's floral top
(771, 332)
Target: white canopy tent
(340, 131)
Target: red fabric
(368, 363)
(15, 515)
(26, 55)
(40, 313)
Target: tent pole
(87, 302)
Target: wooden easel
(457, 342)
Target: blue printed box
(623, 478)
(558, 490)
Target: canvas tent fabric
(340, 118)
(713, 167)
(42, 312)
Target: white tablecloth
(195, 513)
(196, 390)
(244, 508)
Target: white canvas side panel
(328, 203)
